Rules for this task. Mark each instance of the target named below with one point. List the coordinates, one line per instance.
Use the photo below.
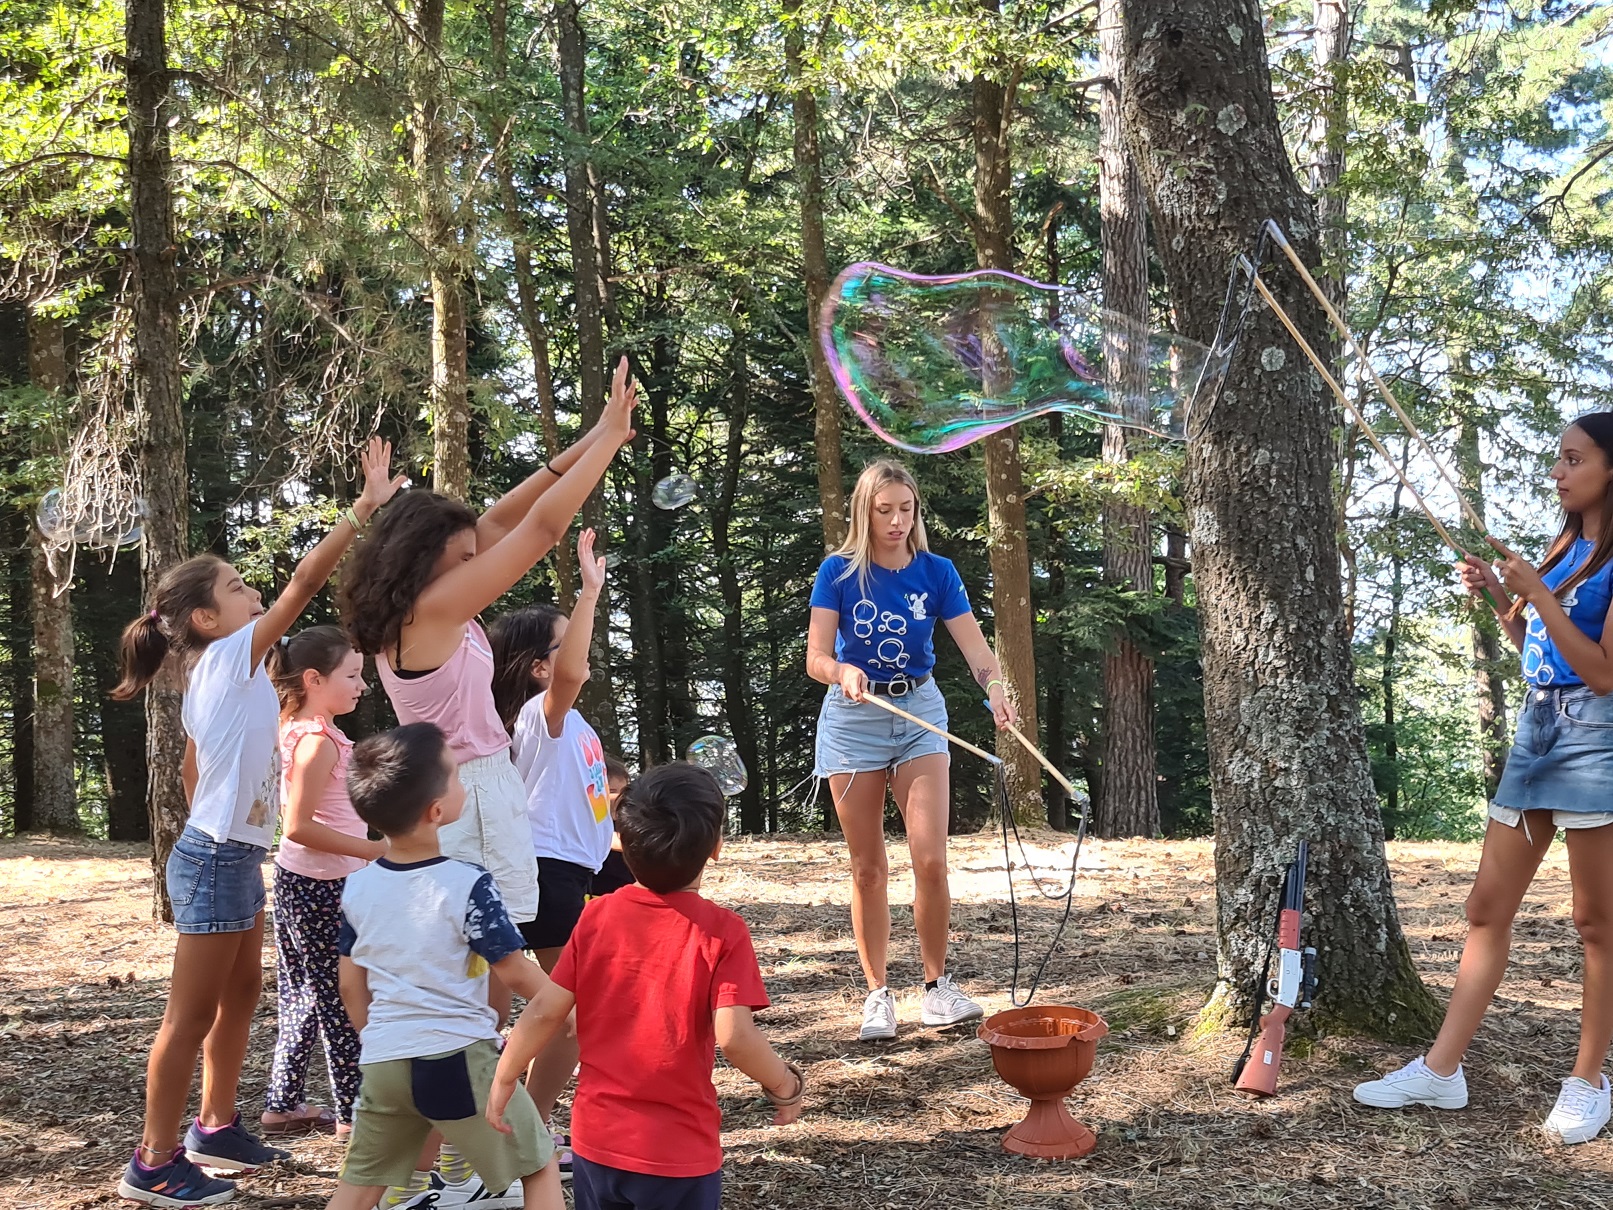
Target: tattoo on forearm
(983, 675)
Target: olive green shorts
(401, 1101)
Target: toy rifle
(1294, 987)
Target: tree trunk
(1388, 677)
(1329, 130)
(735, 675)
(158, 398)
(1489, 686)
(123, 725)
(55, 789)
(526, 283)
(809, 180)
(1056, 681)
(16, 527)
(1288, 754)
(993, 108)
(1130, 804)
(450, 395)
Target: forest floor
(914, 1122)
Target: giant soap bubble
(719, 756)
(933, 363)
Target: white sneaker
(1415, 1084)
(470, 1192)
(945, 1004)
(1581, 1111)
(879, 1016)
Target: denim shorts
(1562, 756)
(216, 886)
(860, 737)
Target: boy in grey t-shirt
(419, 934)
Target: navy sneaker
(229, 1148)
(178, 1183)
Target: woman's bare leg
(860, 803)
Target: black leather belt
(897, 688)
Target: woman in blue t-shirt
(1559, 774)
(874, 609)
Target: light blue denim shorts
(1562, 756)
(860, 737)
(216, 886)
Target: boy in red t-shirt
(659, 976)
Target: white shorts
(1559, 819)
(494, 832)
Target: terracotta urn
(1043, 1053)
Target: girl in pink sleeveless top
(418, 581)
(318, 676)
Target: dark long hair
(391, 567)
(1598, 426)
(320, 648)
(164, 630)
(518, 639)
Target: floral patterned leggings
(307, 917)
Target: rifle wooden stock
(1259, 1075)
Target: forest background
(442, 219)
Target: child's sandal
(800, 1089)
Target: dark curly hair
(391, 566)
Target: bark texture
(993, 106)
(158, 397)
(815, 265)
(55, 795)
(1130, 802)
(450, 396)
(1287, 750)
(1484, 632)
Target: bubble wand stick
(988, 757)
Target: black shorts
(612, 876)
(562, 890)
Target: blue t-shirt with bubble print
(887, 627)
(1586, 606)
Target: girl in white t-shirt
(208, 625)
(319, 677)
(540, 662)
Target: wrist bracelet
(800, 1089)
(549, 466)
(351, 518)
(996, 681)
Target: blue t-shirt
(1586, 606)
(888, 627)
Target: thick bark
(158, 398)
(993, 107)
(1130, 803)
(735, 674)
(1287, 750)
(450, 397)
(55, 791)
(19, 639)
(809, 180)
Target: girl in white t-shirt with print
(319, 677)
(206, 623)
(540, 662)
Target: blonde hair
(858, 548)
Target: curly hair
(392, 565)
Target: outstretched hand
(379, 483)
(616, 421)
(1517, 573)
(592, 568)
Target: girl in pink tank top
(318, 676)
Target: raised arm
(507, 511)
(1478, 577)
(318, 564)
(1592, 661)
(571, 661)
(988, 672)
(459, 594)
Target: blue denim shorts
(1562, 756)
(860, 737)
(216, 886)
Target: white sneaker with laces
(471, 1192)
(879, 1016)
(1581, 1111)
(1415, 1084)
(945, 1004)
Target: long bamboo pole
(886, 704)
